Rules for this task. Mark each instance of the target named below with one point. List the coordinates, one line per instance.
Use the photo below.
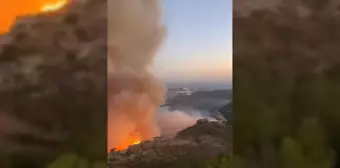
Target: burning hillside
(50, 7)
(131, 139)
(203, 140)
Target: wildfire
(133, 139)
(136, 142)
(12, 9)
(49, 7)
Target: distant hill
(226, 111)
(199, 100)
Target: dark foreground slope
(52, 85)
(193, 146)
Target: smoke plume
(171, 122)
(134, 35)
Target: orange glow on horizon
(11, 9)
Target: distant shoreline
(201, 86)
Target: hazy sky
(198, 46)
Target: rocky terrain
(202, 141)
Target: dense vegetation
(286, 110)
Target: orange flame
(136, 142)
(133, 139)
(11, 9)
(50, 7)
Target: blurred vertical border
(286, 62)
(53, 96)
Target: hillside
(193, 145)
(226, 111)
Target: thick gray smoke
(134, 34)
(171, 122)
